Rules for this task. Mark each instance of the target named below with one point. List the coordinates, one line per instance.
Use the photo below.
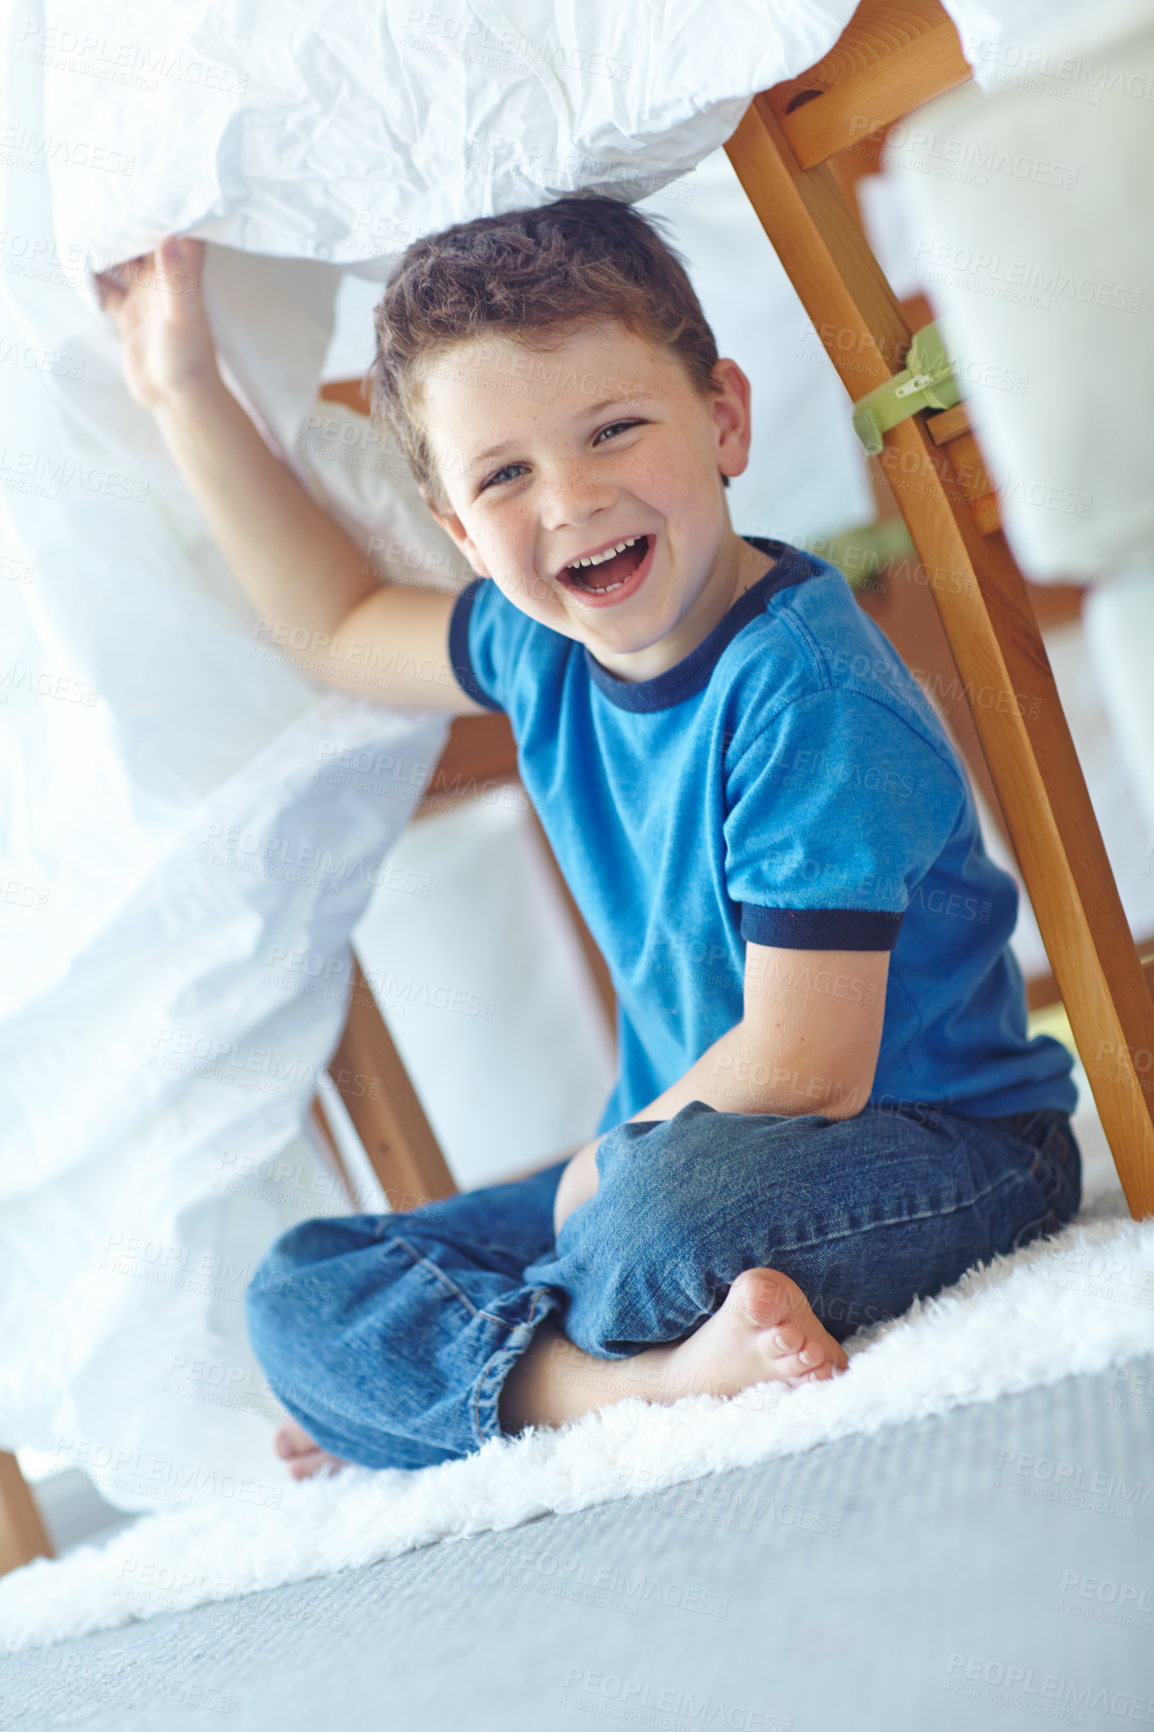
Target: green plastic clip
(926, 382)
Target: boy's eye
(616, 427)
(498, 475)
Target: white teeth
(600, 558)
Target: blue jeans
(389, 1337)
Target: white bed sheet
(342, 132)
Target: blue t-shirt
(787, 783)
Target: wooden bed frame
(893, 56)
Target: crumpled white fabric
(175, 832)
(344, 131)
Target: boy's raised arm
(317, 597)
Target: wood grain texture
(892, 56)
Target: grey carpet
(893, 1582)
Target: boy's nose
(573, 493)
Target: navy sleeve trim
(820, 928)
(459, 658)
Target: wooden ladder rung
(949, 424)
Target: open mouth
(608, 576)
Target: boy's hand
(156, 304)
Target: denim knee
(291, 1292)
(638, 1157)
(660, 1183)
(291, 1263)
(271, 1308)
(648, 1256)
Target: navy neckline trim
(460, 660)
(692, 675)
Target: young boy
(828, 1105)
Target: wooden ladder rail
(22, 1532)
(985, 611)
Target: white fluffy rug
(1080, 1302)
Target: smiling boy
(828, 1104)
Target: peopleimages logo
(611, 1586)
(1071, 1483)
(1068, 76)
(1018, 279)
(1105, 1601)
(638, 1700)
(1044, 1693)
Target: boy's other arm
(318, 598)
(808, 1042)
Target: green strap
(926, 382)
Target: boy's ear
(455, 530)
(729, 406)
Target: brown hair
(531, 274)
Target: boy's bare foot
(766, 1331)
(294, 1445)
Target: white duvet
(172, 826)
(342, 131)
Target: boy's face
(548, 456)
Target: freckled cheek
(649, 474)
(507, 554)
(666, 487)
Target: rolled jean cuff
(487, 1389)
